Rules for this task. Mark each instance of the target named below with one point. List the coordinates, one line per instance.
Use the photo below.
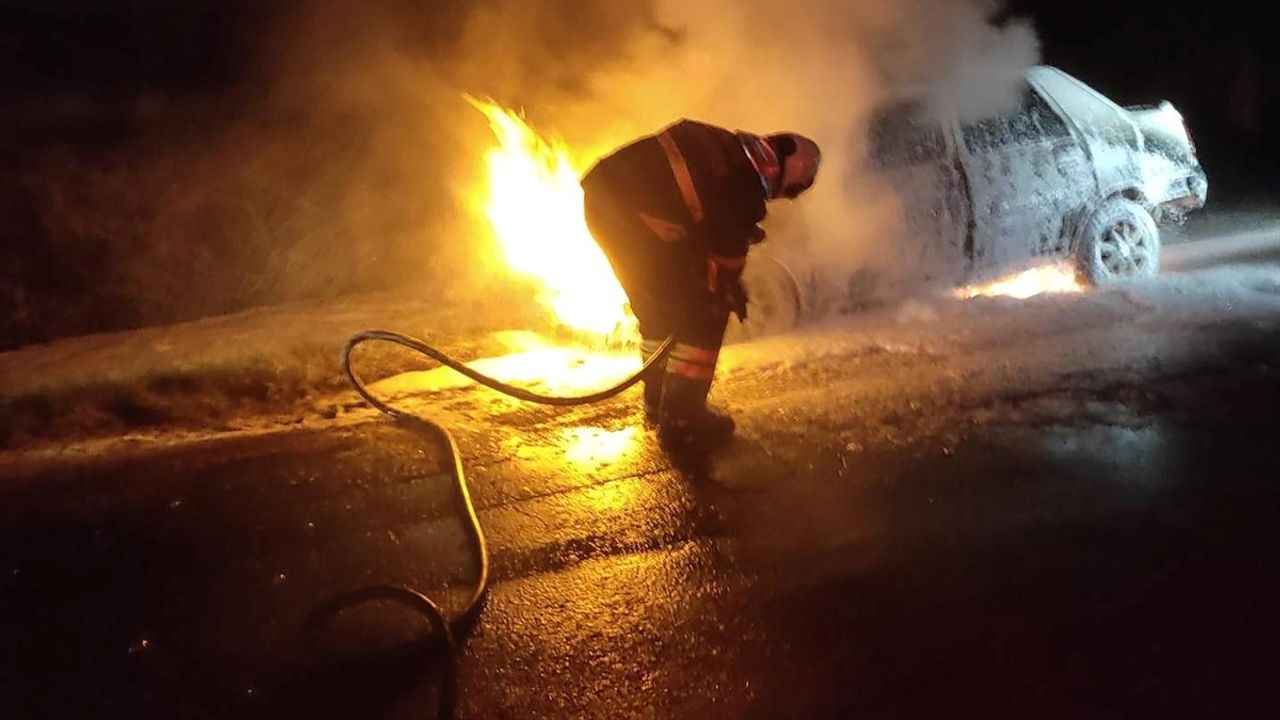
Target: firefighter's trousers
(666, 282)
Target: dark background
(95, 90)
(1218, 62)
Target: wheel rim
(1124, 250)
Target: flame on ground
(534, 205)
(1052, 278)
(533, 362)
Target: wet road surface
(1056, 508)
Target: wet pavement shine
(899, 532)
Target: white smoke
(813, 66)
(348, 162)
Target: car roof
(1039, 72)
(1058, 84)
(1070, 93)
(1033, 73)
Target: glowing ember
(1055, 278)
(534, 205)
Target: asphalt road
(1061, 507)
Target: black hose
(407, 595)
(516, 392)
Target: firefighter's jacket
(691, 182)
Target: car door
(1027, 176)
(915, 154)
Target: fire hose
(440, 621)
(445, 627)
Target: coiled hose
(442, 624)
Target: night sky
(1218, 62)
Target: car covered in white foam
(1067, 173)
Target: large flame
(1053, 278)
(534, 205)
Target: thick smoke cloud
(349, 162)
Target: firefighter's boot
(653, 397)
(652, 380)
(686, 423)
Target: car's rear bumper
(1185, 196)
(1198, 184)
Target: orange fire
(1053, 278)
(534, 205)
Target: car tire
(775, 302)
(1119, 241)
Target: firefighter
(675, 213)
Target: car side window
(1046, 119)
(902, 135)
(1034, 120)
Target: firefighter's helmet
(798, 158)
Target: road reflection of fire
(596, 446)
(1052, 278)
(534, 206)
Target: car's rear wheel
(775, 301)
(1119, 241)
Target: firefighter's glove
(737, 300)
(724, 280)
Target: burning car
(1066, 174)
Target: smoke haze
(347, 160)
